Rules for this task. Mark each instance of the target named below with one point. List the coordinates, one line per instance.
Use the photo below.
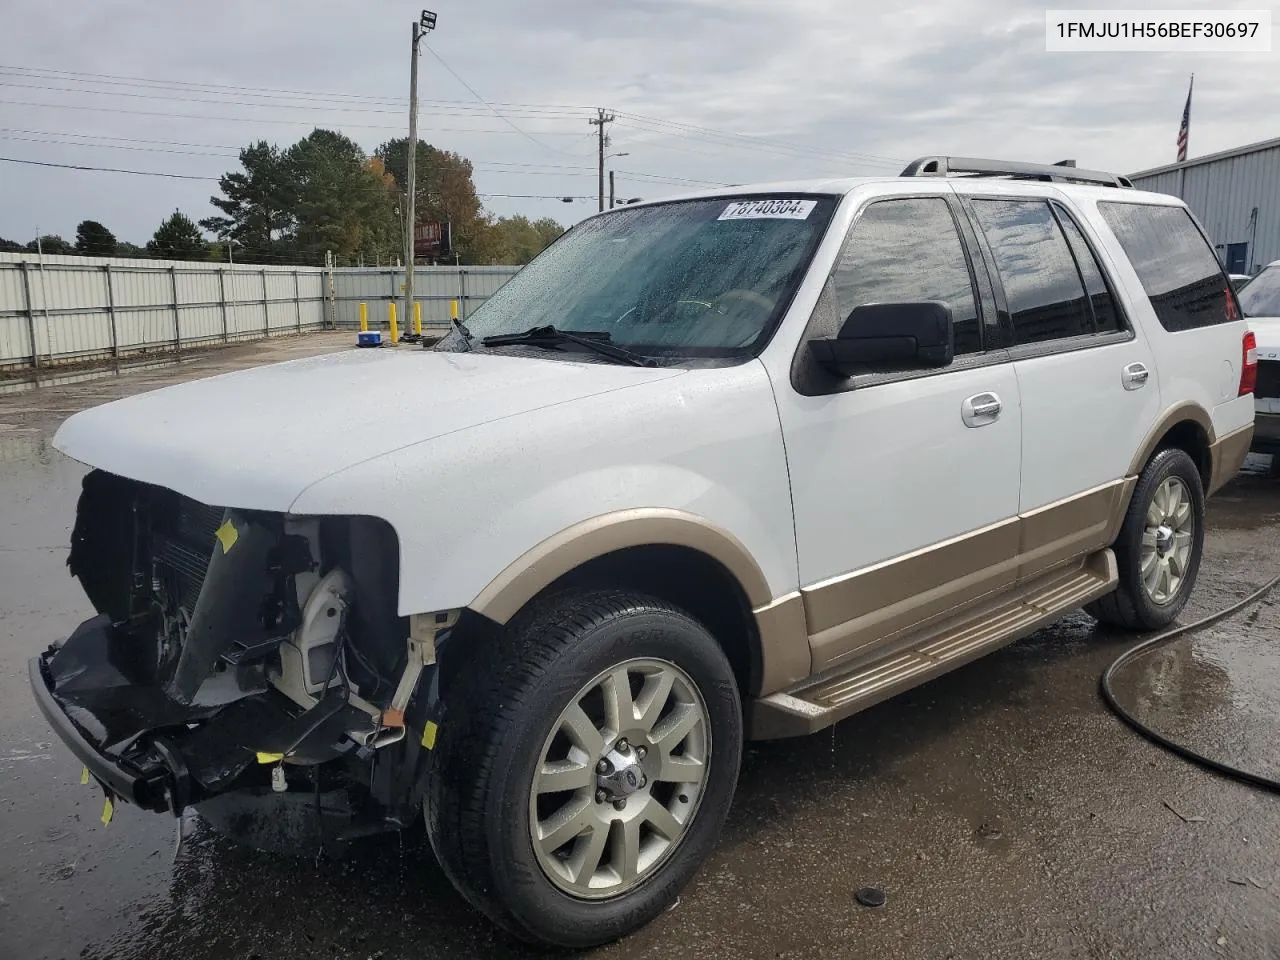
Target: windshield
(1260, 297)
(696, 278)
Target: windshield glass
(1260, 297)
(699, 278)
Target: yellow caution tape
(227, 535)
(269, 757)
(108, 810)
(429, 735)
(84, 776)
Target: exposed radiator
(181, 548)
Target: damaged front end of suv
(241, 660)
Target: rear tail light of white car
(1249, 364)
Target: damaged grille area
(181, 554)
(201, 656)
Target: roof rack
(1066, 171)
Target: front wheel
(1159, 547)
(584, 771)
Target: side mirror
(889, 334)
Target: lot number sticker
(768, 210)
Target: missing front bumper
(149, 750)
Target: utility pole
(610, 189)
(425, 24)
(599, 121)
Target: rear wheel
(585, 769)
(1159, 546)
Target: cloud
(830, 88)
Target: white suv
(736, 464)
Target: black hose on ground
(1159, 639)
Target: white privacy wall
(86, 309)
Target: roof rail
(971, 166)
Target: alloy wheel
(620, 778)
(1167, 540)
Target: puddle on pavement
(1217, 691)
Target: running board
(1012, 615)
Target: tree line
(321, 194)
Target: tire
(1135, 604)
(509, 710)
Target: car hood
(257, 438)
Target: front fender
(488, 516)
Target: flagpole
(1190, 90)
(1184, 140)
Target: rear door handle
(980, 409)
(1134, 376)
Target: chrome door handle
(1134, 376)
(980, 409)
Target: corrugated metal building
(1236, 195)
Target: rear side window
(906, 251)
(1178, 269)
(1046, 298)
(1105, 316)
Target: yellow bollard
(395, 327)
(364, 318)
(453, 309)
(417, 318)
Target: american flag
(1184, 130)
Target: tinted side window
(905, 251)
(1105, 316)
(1178, 270)
(1046, 298)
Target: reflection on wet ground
(1003, 809)
(1217, 691)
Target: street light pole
(421, 28)
(611, 195)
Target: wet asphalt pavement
(1005, 811)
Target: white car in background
(1260, 301)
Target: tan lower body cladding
(929, 650)
(849, 615)
(1226, 455)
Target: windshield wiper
(549, 336)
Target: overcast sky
(714, 91)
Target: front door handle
(980, 409)
(1134, 376)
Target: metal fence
(61, 311)
(433, 287)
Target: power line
(114, 146)
(666, 127)
(476, 94)
(274, 120)
(485, 166)
(103, 136)
(507, 167)
(76, 166)
(663, 178)
(445, 109)
(185, 176)
(116, 79)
